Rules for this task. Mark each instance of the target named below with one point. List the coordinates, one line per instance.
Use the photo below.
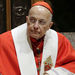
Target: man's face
(38, 22)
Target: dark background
(2, 16)
(64, 15)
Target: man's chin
(35, 37)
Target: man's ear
(51, 23)
(26, 18)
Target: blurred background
(13, 13)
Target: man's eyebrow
(31, 17)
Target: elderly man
(35, 49)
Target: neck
(38, 39)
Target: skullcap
(44, 4)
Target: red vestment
(8, 58)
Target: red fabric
(66, 54)
(8, 59)
(37, 44)
(42, 3)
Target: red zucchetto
(42, 3)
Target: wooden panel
(20, 9)
(8, 14)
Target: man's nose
(36, 25)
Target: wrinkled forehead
(39, 9)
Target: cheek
(29, 26)
(45, 28)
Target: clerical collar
(35, 40)
(37, 45)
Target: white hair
(51, 15)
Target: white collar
(25, 54)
